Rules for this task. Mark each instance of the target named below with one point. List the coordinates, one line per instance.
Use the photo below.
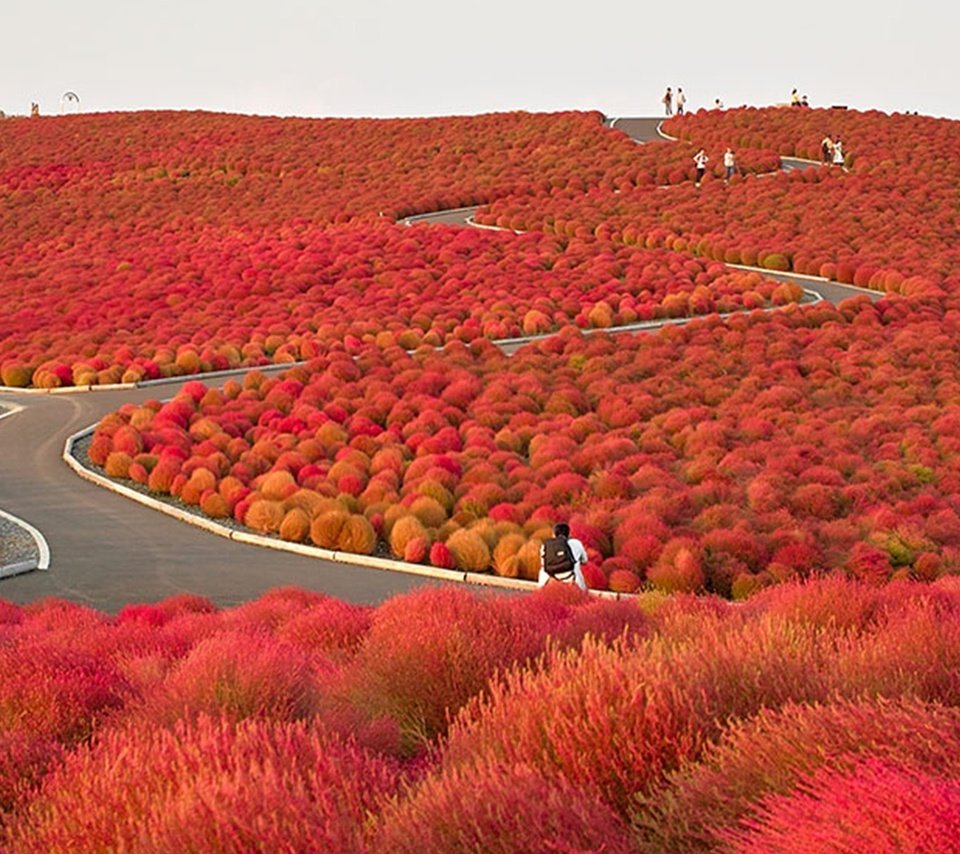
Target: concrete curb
(21, 568)
(43, 549)
(664, 134)
(10, 409)
(249, 538)
(650, 325)
(183, 378)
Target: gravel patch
(16, 544)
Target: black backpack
(557, 557)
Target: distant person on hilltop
(681, 101)
(701, 159)
(717, 104)
(562, 558)
(794, 99)
(668, 102)
(804, 101)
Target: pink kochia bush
(211, 785)
(443, 720)
(876, 807)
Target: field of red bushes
(138, 246)
(891, 223)
(819, 716)
(722, 456)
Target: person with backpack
(561, 558)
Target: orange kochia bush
(724, 456)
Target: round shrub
(264, 516)
(325, 528)
(213, 785)
(470, 551)
(877, 807)
(295, 527)
(357, 536)
(501, 810)
(405, 529)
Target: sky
(441, 57)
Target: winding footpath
(106, 550)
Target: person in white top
(729, 164)
(700, 158)
(578, 554)
(681, 101)
(826, 150)
(837, 152)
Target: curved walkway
(108, 551)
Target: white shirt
(838, 153)
(579, 559)
(681, 98)
(728, 159)
(701, 160)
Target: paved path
(648, 130)
(107, 551)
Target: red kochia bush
(877, 807)
(501, 810)
(773, 751)
(213, 785)
(52, 691)
(429, 651)
(572, 718)
(238, 675)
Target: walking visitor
(668, 102)
(838, 157)
(701, 159)
(561, 558)
(681, 101)
(826, 150)
(729, 164)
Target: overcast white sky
(438, 57)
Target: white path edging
(250, 538)
(181, 378)
(41, 563)
(10, 409)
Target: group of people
(729, 164)
(831, 151)
(669, 99)
(797, 101)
